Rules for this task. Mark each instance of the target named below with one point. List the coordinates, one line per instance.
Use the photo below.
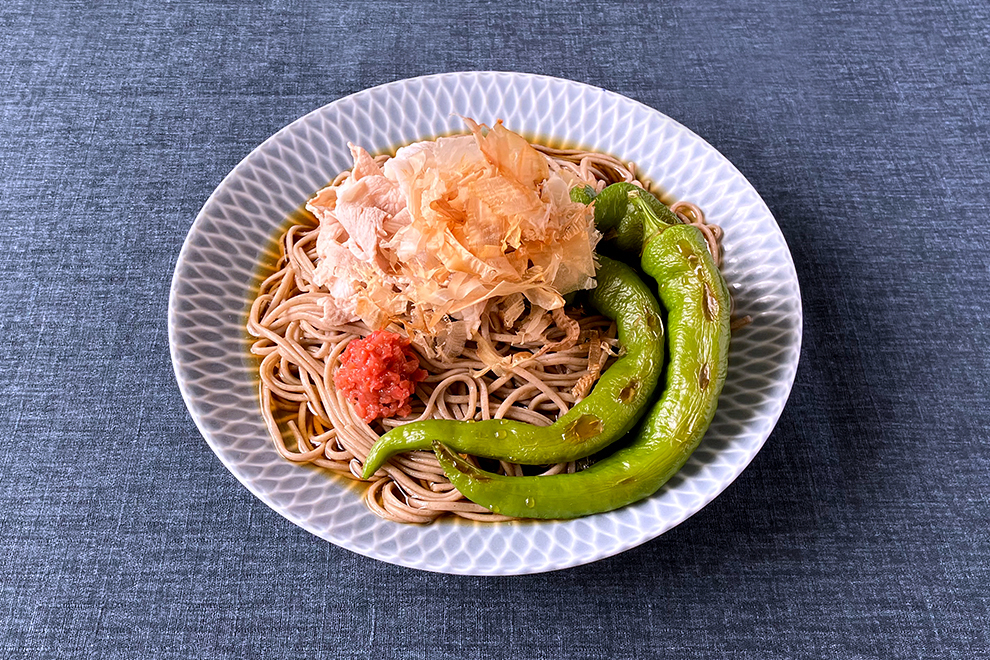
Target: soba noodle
(310, 421)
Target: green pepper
(619, 220)
(618, 400)
(582, 194)
(697, 301)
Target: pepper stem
(651, 218)
(653, 223)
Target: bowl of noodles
(259, 321)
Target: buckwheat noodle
(311, 422)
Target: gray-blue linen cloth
(860, 530)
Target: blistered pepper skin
(696, 297)
(616, 403)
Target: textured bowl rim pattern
(218, 262)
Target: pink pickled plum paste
(378, 375)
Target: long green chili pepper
(617, 401)
(697, 301)
(619, 220)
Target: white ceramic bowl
(215, 270)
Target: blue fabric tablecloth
(860, 530)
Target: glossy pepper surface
(617, 401)
(697, 301)
(619, 213)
